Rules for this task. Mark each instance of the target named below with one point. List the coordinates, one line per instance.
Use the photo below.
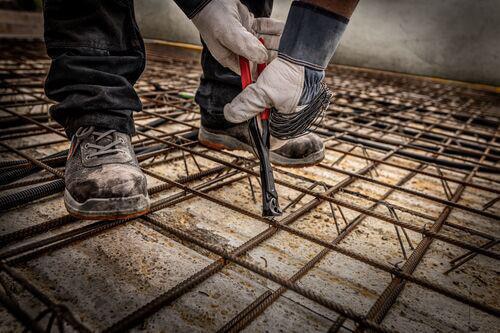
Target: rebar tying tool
(270, 205)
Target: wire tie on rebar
(491, 203)
(425, 229)
(368, 163)
(185, 162)
(195, 162)
(251, 188)
(346, 223)
(395, 216)
(265, 261)
(298, 198)
(444, 183)
(332, 209)
(397, 267)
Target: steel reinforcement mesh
(395, 230)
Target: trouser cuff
(211, 97)
(120, 121)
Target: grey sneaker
(306, 150)
(103, 178)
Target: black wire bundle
(287, 126)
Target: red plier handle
(246, 78)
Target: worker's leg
(97, 55)
(219, 86)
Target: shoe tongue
(106, 139)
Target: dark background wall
(454, 39)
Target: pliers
(270, 205)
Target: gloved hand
(230, 30)
(286, 86)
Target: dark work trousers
(97, 56)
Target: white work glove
(284, 85)
(230, 30)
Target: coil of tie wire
(287, 126)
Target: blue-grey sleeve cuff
(191, 7)
(311, 35)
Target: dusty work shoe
(306, 150)
(103, 178)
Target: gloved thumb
(249, 103)
(280, 85)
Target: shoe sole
(222, 141)
(107, 208)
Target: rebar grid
(410, 154)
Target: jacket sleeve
(313, 31)
(191, 7)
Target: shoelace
(84, 132)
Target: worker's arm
(230, 30)
(312, 33)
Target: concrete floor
(107, 276)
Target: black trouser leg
(97, 55)
(219, 85)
